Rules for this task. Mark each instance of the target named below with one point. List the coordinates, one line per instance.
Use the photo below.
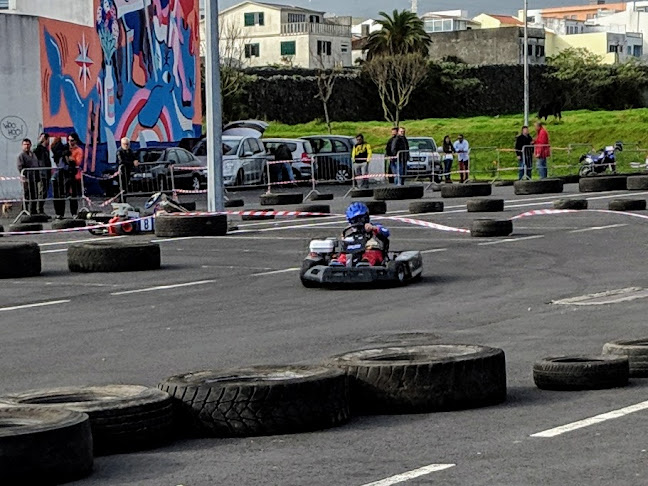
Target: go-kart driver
(357, 215)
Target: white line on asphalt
(164, 287)
(61, 250)
(596, 228)
(597, 419)
(175, 239)
(510, 240)
(434, 250)
(285, 270)
(54, 243)
(37, 304)
(406, 476)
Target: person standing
(74, 162)
(462, 148)
(59, 179)
(27, 161)
(126, 162)
(401, 154)
(524, 153)
(361, 156)
(542, 149)
(389, 154)
(448, 158)
(42, 152)
(284, 155)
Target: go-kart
(321, 268)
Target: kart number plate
(146, 224)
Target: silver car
(424, 160)
(302, 154)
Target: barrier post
(268, 177)
(313, 179)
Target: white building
(262, 34)
(447, 21)
(633, 20)
(75, 11)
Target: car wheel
(240, 178)
(343, 174)
(195, 183)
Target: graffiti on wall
(135, 74)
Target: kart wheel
(306, 266)
(400, 272)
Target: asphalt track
(241, 304)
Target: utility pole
(214, 121)
(526, 64)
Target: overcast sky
(364, 8)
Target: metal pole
(526, 65)
(214, 121)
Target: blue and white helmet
(357, 213)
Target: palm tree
(402, 33)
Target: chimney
(415, 7)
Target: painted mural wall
(135, 74)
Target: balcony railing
(294, 28)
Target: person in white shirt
(462, 147)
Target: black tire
(400, 271)
(600, 184)
(18, 227)
(123, 418)
(627, 205)
(542, 186)
(417, 207)
(637, 183)
(234, 203)
(240, 178)
(485, 205)
(361, 193)
(109, 256)
(307, 264)
(257, 217)
(34, 218)
(376, 207)
(570, 179)
(581, 372)
(19, 259)
(260, 400)
(503, 183)
(424, 378)
(321, 196)
(281, 198)
(636, 350)
(313, 208)
(491, 227)
(1, 230)
(396, 193)
(466, 190)
(172, 226)
(58, 224)
(44, 446)
(189, 205)
(579, 204)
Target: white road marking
(37, 304)
(607, 297)
(164, 287)
(61, 250)
(597, 419)
(274, 272)
(434, 250)
(54, 243)
(175, 239)
(597, 228)
(406, 476)
(510, 240)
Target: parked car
(332, 157)
(154, 173)
(302, 152)
(425, 160)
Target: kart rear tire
(637, 183)
(419, 207)
(123, 418)
(627, 205)
(261, 400)
(581, 372)
(19, 260)
(636, 350)
(59, 224)
(376, 207)
(279, 199)
(313, 208)
(600, 184)
(257, 217)
(44, 446)
(321, 196)
(400, 271)
(542, 186)
(20, 227)
(466, 190)
(176, 225)
(485, 205)
(491, 227)
(234, 203)
(110, 256)
(361, 193)
(424, 378)
(577, 204)
(395, 193)
(307, 264)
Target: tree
(396, 77)
(402, 33)
(326, 77)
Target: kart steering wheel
(153, 200)
(351, 227)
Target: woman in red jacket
(542, 149)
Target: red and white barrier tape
(111, 200)
(539, 212)
(178, 168)
(187, 191)
(426, 224)
(102, 178)
(3, 178)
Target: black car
(332, 157)
(154, 171)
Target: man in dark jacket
(524, 153)
(400, 147)
(42, 153)
(389, 152)
(27, 161)
(283, 154)
(126, 162)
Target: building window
(323, 48)
(252, 50)
(530, 50)
(253, 18)
(637, 51)
(345, 47)
(314, 19)
(293, 17)
(531, 20)
(288, 48)
(447, 26)
(4, 4)
(612, 48)
(590, 16)
(540, 51)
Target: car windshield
(230, 147)
(423, 144)
(150, 155)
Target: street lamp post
(526, 64)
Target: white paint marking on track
(274, 272)
(406, 476)
(61, 250)
(607, 297)
(37, 304)
(54, 243)
(597, 419)
(164, 287)
(597, 228)
(510, 240)
(434, 250)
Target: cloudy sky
(365, 8)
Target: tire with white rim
(581, 372)
(424, 378)
(636, 350)
(261, 400)
(19, 259)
